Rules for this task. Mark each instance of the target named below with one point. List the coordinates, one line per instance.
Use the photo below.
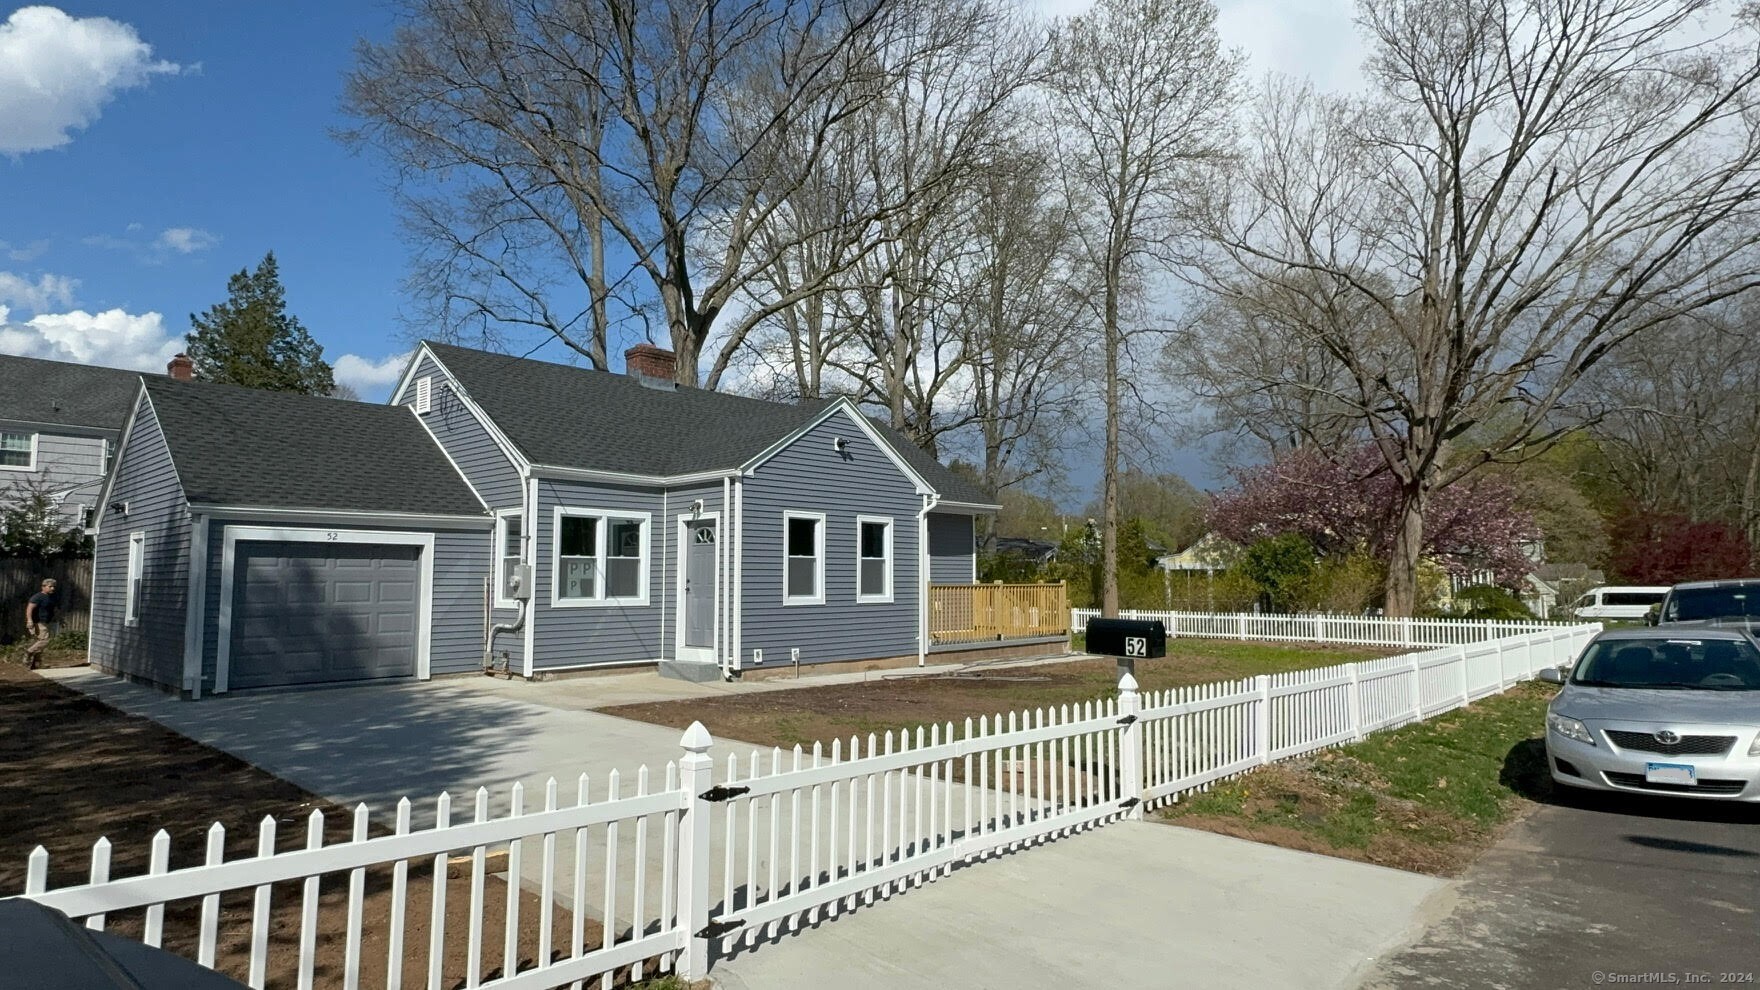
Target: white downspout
(529, 536)
(663, 535)
(739, 558)
(723, 591)
(923, 579)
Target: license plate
(1670, 773)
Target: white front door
(699, 560)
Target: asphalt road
(1597, 892)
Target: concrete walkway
(1128, 905)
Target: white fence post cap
(1127, 682)
(696, 739)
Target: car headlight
(1569, 728)
(1754, 750)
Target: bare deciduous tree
(526, 134)
(1529, 185)
(1144, 95)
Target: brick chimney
(648, 361)
(181, 368)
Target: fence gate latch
(716, 929)
(1130, 802)
(721, 792)
(1128, 719)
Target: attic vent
(424, 394)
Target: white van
(1614, 602)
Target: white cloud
(370, 379)
(47, 291)
(185, 240)
(58, 71)
(24, 252)
(112, 338)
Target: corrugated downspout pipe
(518, 623)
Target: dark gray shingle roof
(33, 390)
(565, 416)
(242, 446)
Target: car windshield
(1697, 604)
(1673, 664)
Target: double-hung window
(803, 578)
(873, 559)
(137, 551)
(508, 531)
(601, 557)
(18, 451)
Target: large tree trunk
(1408, 546)
(1109, 495)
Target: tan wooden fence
(976, 613)
(19, 580)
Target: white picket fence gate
(802, 835)
(1361, 630)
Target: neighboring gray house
(59, 424)
(538, 516)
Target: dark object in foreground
(45, 950)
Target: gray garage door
(311, 613)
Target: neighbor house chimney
(181, 368)
(648, 361)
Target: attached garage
(321, 611)
(259, 540)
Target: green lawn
(1426, 797)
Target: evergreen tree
(251, 339)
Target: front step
(690, 670)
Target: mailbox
(1130, 639)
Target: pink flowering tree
(1351, 505)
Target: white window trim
(884, 598)
(603, 544)
(36, 439)
(497, 560)
(817, 598)
(137, 554)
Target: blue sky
(149, 150)
(194, 174)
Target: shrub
(1483, 601)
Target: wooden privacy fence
(975, 613)
(700, 867)
(20, 579)
(1363, 630)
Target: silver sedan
(1660, 711)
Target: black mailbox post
(1129, 640)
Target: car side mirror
(1552, 675)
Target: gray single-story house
(517, 514)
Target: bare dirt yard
(895, 700)
(74, 770)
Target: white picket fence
(1361, 630)
(801, 835)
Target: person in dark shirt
(38, 613)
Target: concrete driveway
(1596, 892)
(378, 743)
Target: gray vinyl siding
(605, 634)
(146, 479)
(464, 438)
(460, 568)
(811, 476)
(69, 464)
(952, 548)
